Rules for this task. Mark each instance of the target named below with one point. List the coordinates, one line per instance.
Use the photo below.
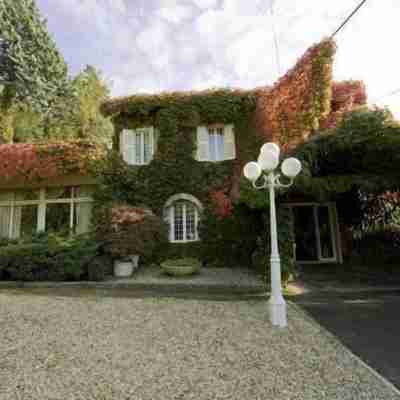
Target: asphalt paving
(367, 323)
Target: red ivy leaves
(293, 107)
(346, 96)
(123, 215)
(33, 162)
(222, 204)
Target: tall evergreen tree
(33, 74)
(29, 59)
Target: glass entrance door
(314, 233)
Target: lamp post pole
(268, 161)
(277, 304)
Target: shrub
(99, 268)
(229, 240)
(378, 249)
(126, 230)
(52, 257)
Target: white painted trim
(41, 223)
(317, 231)
(168, 208)
(183, 196)
(315, 206)
(41, 208)
(333, 241)
(338, 235)
(126, 151)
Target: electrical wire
(348, 18)
(392, 93)
(276, 44)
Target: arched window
(182, 212)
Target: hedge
(54, 258)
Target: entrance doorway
(315, 229)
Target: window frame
(214, 133)
(130, 152)
(208, 138)
(334, 232)
(41, 204)
(169, 215)
(184, 222)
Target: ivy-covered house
(184, 151)
(181, 154)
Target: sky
(163, 45)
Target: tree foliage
(363, 151)
(92, 91)
(30, 60)
(81, 118)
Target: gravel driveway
(54, 347)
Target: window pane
(146, 139)
(304, 227)
(325, 232)
(24, 221)
(178, 221)
(82, 215)
(211, 145)
(23, 194)
(6, 195)
(220, 144)
(138, 147)
(84, 191)
(190, 222)
(64, 192)
(5, 215)
(58, 217)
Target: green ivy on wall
(174, 169)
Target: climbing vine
(292, 109)
(34, 162)
(174, 169)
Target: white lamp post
(265, 167)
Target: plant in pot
(129, 233)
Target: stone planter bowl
(181, 267)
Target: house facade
(182, 153)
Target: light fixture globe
(270, 147)
(252, 171)
(268, 160)
(291, 167)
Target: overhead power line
(348, 18)
(276, 44)
(392, 93)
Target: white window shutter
(156, 135)
(151, 144)
(229, 143)
(202, 153)
(127, 146)
(122, 141)
(171, 216)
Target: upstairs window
(215, 143)
(138, 145)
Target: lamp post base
(277, 312)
